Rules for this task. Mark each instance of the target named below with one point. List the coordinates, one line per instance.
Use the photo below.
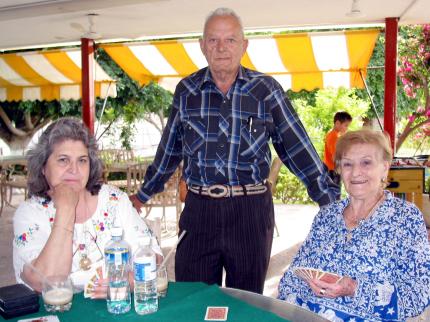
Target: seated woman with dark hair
(375, 243)
(63, 227)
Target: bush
(289, 189)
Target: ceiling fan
(355, 11)
(90, 32)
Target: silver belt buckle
(212, 194)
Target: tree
(133, 102)
(20, 120)
(408, 104)
(414, 72)
(317, 118)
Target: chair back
(274, 173)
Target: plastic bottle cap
(116, 232)
(145, 240)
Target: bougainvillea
(414, 72)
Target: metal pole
(371, 100)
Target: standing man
(222, 119)
(341, 122)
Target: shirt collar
(242, 75)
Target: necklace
(82, 248)
(369, 214)
(85, 262)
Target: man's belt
(220, 190)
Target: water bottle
(117, 259)
(145, 278)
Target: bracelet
(64, 228)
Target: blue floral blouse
(388, 255)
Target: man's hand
(136, 203)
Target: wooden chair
(167, 198)
(10, 180)
(134, 178)
(273, 176)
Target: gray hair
(222, 12)
(57, 132)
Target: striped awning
(298, 61)
(47, 75)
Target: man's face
(223, 44)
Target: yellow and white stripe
(298, 61)
(47, 75)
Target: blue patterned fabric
(225, 139)
(388, 254)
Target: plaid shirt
(224, 139)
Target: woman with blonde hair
(371, 247)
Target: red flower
(106, 214)
(51, 219)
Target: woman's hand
(345, 287)
(65, 198)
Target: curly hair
(57, 132)
(376, 138)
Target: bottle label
(144, 270)
(117, 257)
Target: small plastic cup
(162, 281)
(57, 293)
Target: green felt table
(184, 302)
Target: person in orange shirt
(341, 122)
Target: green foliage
(133, 102)
(289, 189)
(318, 118)
(375, 81)
(316, 115)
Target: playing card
(216, 313)
(47, 318)
(88, 290)
(330, 277)
(301, 273)
(307, 273)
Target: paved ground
(293, 222)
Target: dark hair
(57, 132)
(342, 117)
(379, 139)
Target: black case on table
(17, 300)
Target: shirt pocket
(193, 137)
(253, 137)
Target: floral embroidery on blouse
(388, 255)
(113, 196)
(23, 239)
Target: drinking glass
(57, 293)
(161, 281)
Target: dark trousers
(231, 233)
